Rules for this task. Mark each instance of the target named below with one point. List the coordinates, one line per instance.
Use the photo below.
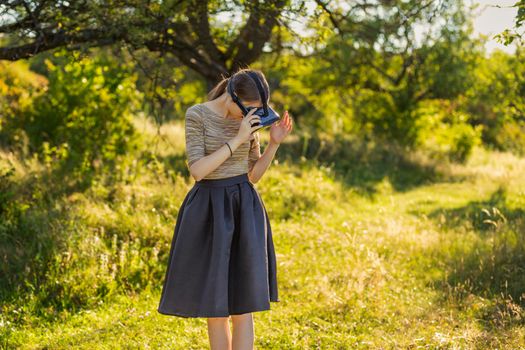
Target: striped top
(206, 131)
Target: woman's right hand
(245, 130)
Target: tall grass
(376, 248)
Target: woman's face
(235, 110)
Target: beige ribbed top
(207, 131)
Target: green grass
(376, 250)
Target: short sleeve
(255, 150)
(194, 133)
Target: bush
(446, 132)
(83, 120)
(497, 101)
(511, 137)
(18, 85)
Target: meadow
(377, 248)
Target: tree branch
(50, 41)
(198, 16)
(248, 45)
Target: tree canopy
(192, 32)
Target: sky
(493, 20)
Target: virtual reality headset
(267, 114)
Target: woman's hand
(246, 130)
(280, 129)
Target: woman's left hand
(280, 129)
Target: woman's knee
(241, 317)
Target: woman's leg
(243, 334)
(219, 333)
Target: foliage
(447, 131)
(497, 101)
(83, 120)
(372, 82)
(191, 32)
(18, 85)
(514, 35)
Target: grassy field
(375, 250)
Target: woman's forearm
(263, 162)
(207, 164)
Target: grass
(375, 250)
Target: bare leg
(219, 333)
(243, 334)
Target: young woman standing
(222, 261)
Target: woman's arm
(260, 166)
(205, 165)
(201, 165)
(278, 132)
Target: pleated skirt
(222, 259)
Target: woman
(222, 261)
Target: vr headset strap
(262, 93)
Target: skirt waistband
(227, 181)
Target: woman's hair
(243, 85)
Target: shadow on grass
(491, 264)
(359, 164)
(362, 164)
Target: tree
(177, 27)
(188, 29)
(384, 59)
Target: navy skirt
(222, 258)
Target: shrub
(445, 132)
(83, 120)
(18, 84)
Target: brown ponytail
(218, 89)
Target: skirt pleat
(222, 260)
